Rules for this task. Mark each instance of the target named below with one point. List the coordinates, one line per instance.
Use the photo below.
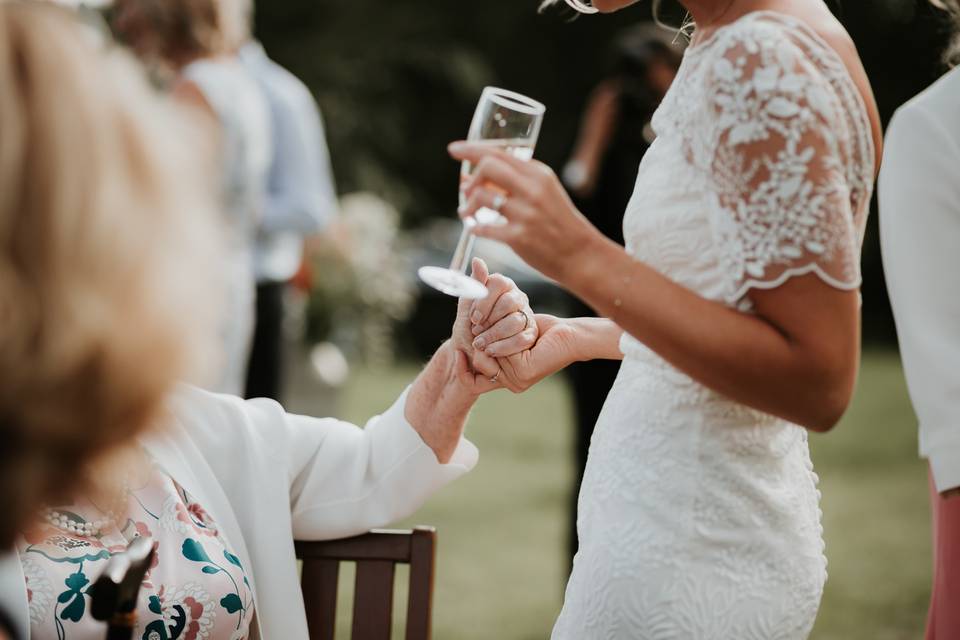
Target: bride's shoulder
(773, 34)
(764, 45)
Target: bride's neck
(706, 13)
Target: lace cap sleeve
(788, 194)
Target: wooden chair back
(376, 553)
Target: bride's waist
(643, 368)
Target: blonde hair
(107, 252)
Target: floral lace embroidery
(778, 130)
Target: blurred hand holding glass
(505, 120)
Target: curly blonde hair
(107, 252)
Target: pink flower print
(196, 613)
(200, 515)
(176, 516)
(142, 529)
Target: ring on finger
(528, 320)
(498, 201)
(496, 377)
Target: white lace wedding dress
(699, 516)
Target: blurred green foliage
(398, 80)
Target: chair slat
(373, 600)
(376, 554)
(420, 599)
(319, 584)
(376, 545)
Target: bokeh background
(396, 82)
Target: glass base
(452, 283)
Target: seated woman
(107, 266)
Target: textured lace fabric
(699, 516)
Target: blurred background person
(195, 42)
(920, 225)
(301, 200)
(615, 133)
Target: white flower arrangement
(361, 282)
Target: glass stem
(461, 256)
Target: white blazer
(268, 477)
(919, 193)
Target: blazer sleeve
(344, 480)
(919, 197)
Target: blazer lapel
(187, 467)
(13, 593)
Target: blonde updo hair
(107, 252)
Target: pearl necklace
(93, 529)
(86, 529)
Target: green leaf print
(154, 605)
(231, 602)
(193, 551)
(232, 559)
(75, 583)
(74, 611)
(210, 569)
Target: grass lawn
(502, 561)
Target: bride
(735, 309)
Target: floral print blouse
(196, 589)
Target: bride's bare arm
(796, 356)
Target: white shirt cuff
(406, 438)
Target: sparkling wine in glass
(505, 120)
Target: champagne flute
(504, 120)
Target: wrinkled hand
(542, 224)
(502, 324)
(552, 352)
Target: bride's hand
(555, 349)
(542, 224)
(505, 315)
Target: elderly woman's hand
(442, 395)
(500, 325)
(542, 224)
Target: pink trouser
(943, 620)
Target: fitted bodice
(762, 168)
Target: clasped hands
(506, 344)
